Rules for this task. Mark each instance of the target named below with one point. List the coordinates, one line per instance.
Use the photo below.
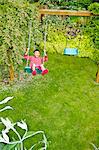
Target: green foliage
(84, 3)
(14, 28)
(73, 32)
(83, 44)
(94, 8)
(57, 40)
(7, 147)
(92, 29)
(65, 4)
(96, 56)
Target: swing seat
(71, 51)
(29, 70)
(38, 71)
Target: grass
(64, 103)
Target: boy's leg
(33, 67)
(44, 71)
(34, 71)
(42, 67)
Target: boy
(36, 61)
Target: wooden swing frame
(44, 12)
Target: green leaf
(1, 146)
(9, 147)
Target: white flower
(7, 123)
(6, 100)
(5, 108)
(6, 130)
(22, 125)
(5, 136)
(2, 140)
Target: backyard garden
(57, 109)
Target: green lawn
(64, 103)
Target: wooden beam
(64, 12)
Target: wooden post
(97, 77)
(11, 72)
(97, 74)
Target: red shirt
(36, 60)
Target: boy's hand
(45, 54)
(26, 52)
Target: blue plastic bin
(71, 51)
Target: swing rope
(45, 39)
(34, 42)
(45, 35)
(29, 37)
(27, 68)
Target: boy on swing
(36, 61)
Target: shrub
(94, 8)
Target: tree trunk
(10, 62)
(11, 72)
(97, 77)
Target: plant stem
(19, 138)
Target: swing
(70, 51)
(27, 69)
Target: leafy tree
(94, 8)
(67, 4)
(84, 3)
(14, 27)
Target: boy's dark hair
(36, 50)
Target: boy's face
(37, 54)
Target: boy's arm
(45, 58)
(26, 55)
